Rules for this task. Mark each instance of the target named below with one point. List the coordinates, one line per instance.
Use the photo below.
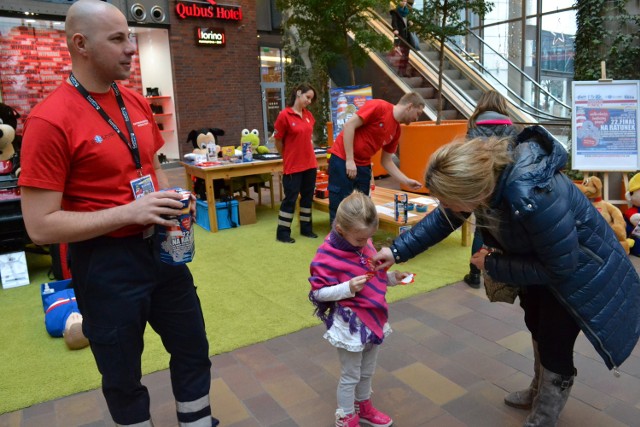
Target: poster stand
(604, 125)
(604, 128)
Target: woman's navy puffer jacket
(552, 236)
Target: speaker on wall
(148, 11)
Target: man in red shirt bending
(376, 125)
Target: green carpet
(252, 289)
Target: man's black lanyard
(133, 145)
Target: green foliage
(296, 73)
(324, 26)
(440, 19)
(606, 31)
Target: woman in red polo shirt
(293, 132)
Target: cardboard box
(246, 210)
(222, 212)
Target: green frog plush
(252, 137)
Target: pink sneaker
(347, 420)
(370, 416)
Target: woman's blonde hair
(356, 212)
(489, 101)
(465, 173)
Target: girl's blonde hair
(489, 101)
(356, 212)
(465, 172)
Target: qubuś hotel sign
(208, 9)
(210, 37)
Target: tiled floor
(451, 359)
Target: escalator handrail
(511, 64)
(535, 111)
(540, 114)
(470, 103)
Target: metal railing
(470, 78)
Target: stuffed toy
(254, 138)
(201, 139)
(9, 158)
(632, 214)
(205, 147)
(592, 188)
(62, 316)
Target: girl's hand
(399, 277)
(357, 283)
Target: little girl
(349, 297)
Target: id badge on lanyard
(144, 183)
(141, 186)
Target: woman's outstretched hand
(477, 259)
(383, 259)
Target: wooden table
(232, 170)
(382, 196)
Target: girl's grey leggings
(355, 378)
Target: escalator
(465, 79)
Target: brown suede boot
(552, 396)
(523, 399)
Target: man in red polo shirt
(375, 126)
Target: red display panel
(34, 60)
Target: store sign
(208, 9)
(211, 36)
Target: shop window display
(34, 60)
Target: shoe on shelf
(473, 280)
(371, 416)
(286, 240)
(347, 420)
(310, 234)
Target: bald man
(88, 149)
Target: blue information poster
(605, 126)
(345, 101)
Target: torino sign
(210, 37)
(209, 9)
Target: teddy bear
(204, 143)
(592, 188)
(9, 158)
(632, 214)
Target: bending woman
(544, 237)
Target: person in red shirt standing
(375, 126)
(292, 134)
(91, 177)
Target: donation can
(177, 244)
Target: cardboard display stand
(246, 210)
